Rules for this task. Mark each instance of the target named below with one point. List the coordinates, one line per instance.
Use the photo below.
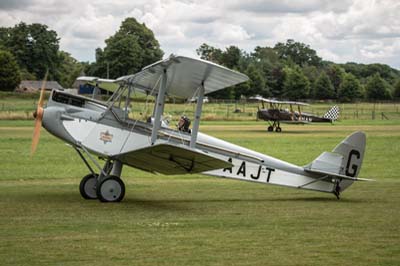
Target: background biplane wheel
(111, 189)
(270, 128)
(278, 129)
(87, 187)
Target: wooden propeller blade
(41, 99)
(39, 116)
(36, 133)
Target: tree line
(294, 71)
(290, 70)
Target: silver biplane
(104, 130)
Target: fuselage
(289, 117)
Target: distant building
(30, 86)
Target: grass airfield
(200, 220)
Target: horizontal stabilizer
(337, 176)
(172, 160)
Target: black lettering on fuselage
(242, 169)
(354, 167)
(229, 168)
(258, 173)
(269, 172)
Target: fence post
(373, 113)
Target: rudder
(333, 113)
(352, 149)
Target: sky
(362, 31)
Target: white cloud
(346, 30)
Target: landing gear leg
(271, 127)
(87, 186)
(278, 128)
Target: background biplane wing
(259, 98)
(172, 160)
(184, 77)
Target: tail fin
(352, 149)
(333, 113)
(343, 164)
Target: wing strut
(159, 107)
(199, 106)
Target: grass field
(199, 220)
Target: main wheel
(278, 129)
(111, 189)
(87, 187)
(270, 128)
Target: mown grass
(199, 220)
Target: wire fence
(14, 107)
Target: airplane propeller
(38, 115)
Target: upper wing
(184, 76)
(259, 98)
(105, 84)
(172, 160)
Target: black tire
(111, 189)
(278, 129)
(270, 128)
(87, 187)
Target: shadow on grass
(295, 132)
(239, 200)
(320, 199)
(71, 201)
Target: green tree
(35, 48)
(131, 48)
(9, 71)
(323, 88)
(266, 54)
(231, 57)
(296, 85)
(335, 74)
(299, 53)
(363, 72)
(377, 88)
(349, 89)
(256, 82)
(209, 53)
(396, 92)
(276, 81)
(267, 60)
(69, 69)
